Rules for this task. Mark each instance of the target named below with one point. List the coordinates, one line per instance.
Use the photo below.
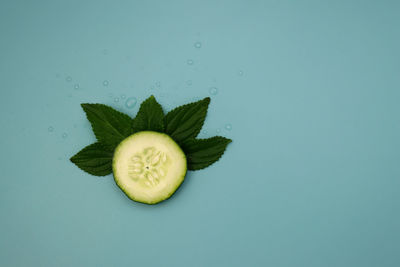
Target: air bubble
(106, 83)
(190, 62)
(123, 96)
(213, 90)
(240, 73)
(64, 135)
(68, 79)
(50, 129)
(76, 86)
(228, 127)
(197, 45)
(130, 102)
(116, 100)
(218, 130)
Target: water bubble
(68, 79)
(190, 62)
(228, 127)
(197, 45)
(130, 102)
(240, 73)
(116, 100)
(213, 90)
(76, 86)
(64, 135)
(189, 82)
(50, 129)
(123, 96)
(106, 83)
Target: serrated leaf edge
(162, 121)
(223, 152)
(94, 131)
(208, 99)
(104, 146)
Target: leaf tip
(152, 97)
(85, 106)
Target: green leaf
(95, 159)
(201, 153)
(150, 117)
(109, 125)
(185, 122)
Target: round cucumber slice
(149, 166)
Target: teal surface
(308, 90)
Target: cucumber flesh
(149, 166)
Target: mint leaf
(109, 125)
(185, 122)
(150, 117)
(201, 153)
(95, 159)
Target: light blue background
(311, 89)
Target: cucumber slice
(149, 166)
